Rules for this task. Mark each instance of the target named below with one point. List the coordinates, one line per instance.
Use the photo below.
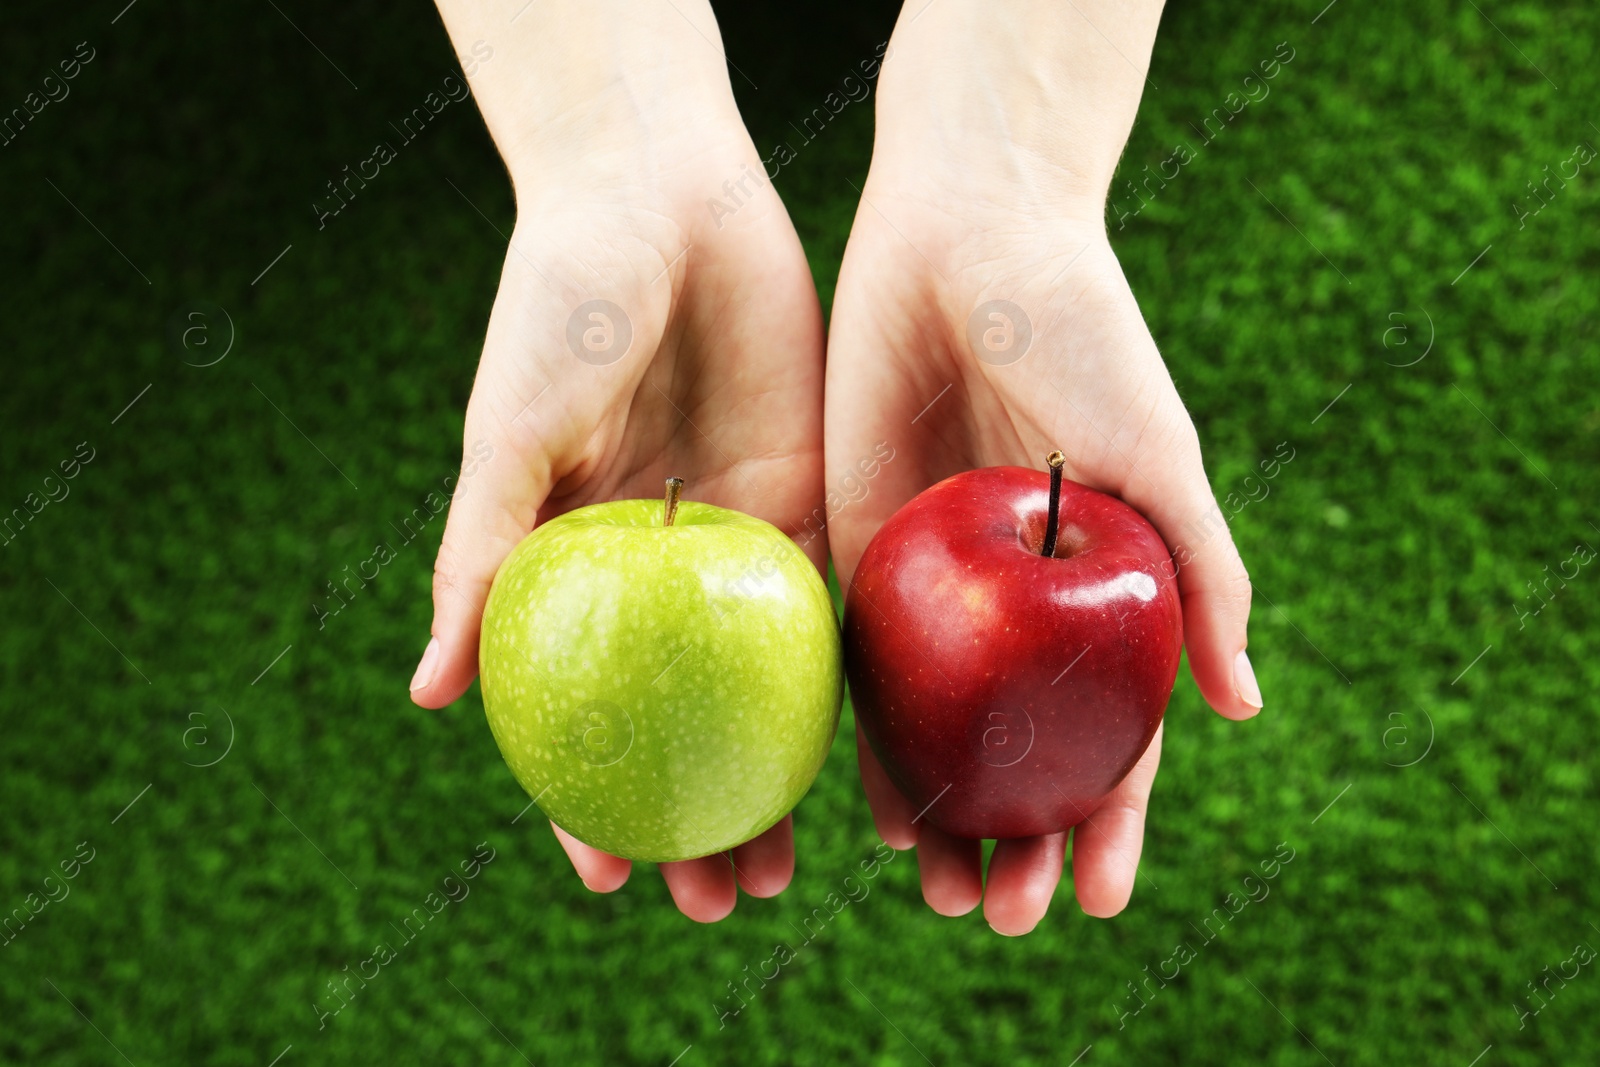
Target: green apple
(664, 682)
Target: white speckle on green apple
(665, 689)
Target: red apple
(1007, 689)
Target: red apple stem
(1051, 527)
(674, 487)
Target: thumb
(1212, 580)
(494, 506)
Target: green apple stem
(674, 487)
(1055, 460)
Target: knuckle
(448, 576)
(1235, 593)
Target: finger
(883, 377)
(1212, 581)
(493, 507)
(600, 871)
(1106, 845)
(494, 503)
(764, 866)
(703, 889)
(892, 814)
(1023, 875)
(504, 478)
(951, 869)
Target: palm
(719, 383)
(914, 293)
(1089, 382)
(704, 362)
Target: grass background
(1390, 552)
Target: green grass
(1390, 552)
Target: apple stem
(674, 487)
(1055, 460)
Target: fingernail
(1002, 933)
(1244, 680)
(429, 664)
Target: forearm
(1058, 82)
(565, 83)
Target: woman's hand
(640, 330)
(982, 319)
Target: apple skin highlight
(1007, 693)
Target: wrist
(598, 93)
(1039, 93)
